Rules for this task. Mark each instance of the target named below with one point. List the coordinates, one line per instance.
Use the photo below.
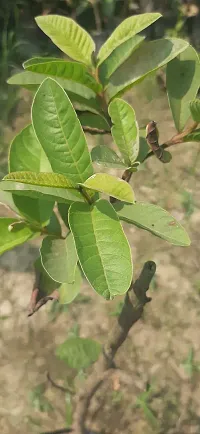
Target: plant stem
(85, 195)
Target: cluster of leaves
(49, 161)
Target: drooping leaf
(42, 179)
(67, 35)
(59, 258)
(147, 58)
(126, 30)
(195, 110)
(79, 353)
(154, 219)
(193, 137)
(47, 284)
(74, 71)
(106, 157)
(102, 247)
(93, 121)
(13, 237)
(26, 153)
(38, 192)
(53, 116)
(125, 131)
(110, 185)
(182, 79)
(81, 96)
(69, 291)
(118, 56)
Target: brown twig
(57, 386)
(59, 431)
(134, 303)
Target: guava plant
(51, 172)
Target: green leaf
(146, 59)
(46, 193)
(82, 97)
(125, 131)
(69, 291)
(53, 116)
(15, 236)
(67, 35)
(62, 69)
(6, 199)
(182, 79)
(118, 56)
(54, 227)
(193, 137)
(63, 209)
(37, 60)
(106, 157)
(59, 258)
(34, 210)
(94, 121)
(43, 179)
(110, 185)
(195, 110)
(79, 353)
(47, 284)
(154, 219)
(102, 247)
(126, 30)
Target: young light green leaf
(74, 71)
(125, 131)
(37, 60)
(79, 353)
(102, 247)
(182, 85)
(45, 193)
(118, 56)
(95, 122)
(193, 137)
(67, 35)
(126, 30)
(42, 179)
(53, 116)
(13, 237)
(69, 291)
(154, 219)
(59, 258)
(146, 59)
(110, 185)
(195, 110)
(106, 157)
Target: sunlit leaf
(41, 179)
(69, 291)
(110, 185)
(10, 238)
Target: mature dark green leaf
(54, 227)
(59, 258)
(34, 210)
(11, 237)
(74, 71)
(69, 291)
(110, 185)
(68, 36)
(44, 179)
(125, 131)
(193, 137)
(154, 219)
(195, 110)
(126, 30)
(147, 58)
(53, 116)
(118, 56)
(102, 247)
(94, 121)
(143, 149)
(79, 353)
(106, 157)
(6, 199)
(38, 192)
(47, 284)
(63, 209)
(182, 84)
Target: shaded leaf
(106, 157)
(154, 219)
(110, 185)
(79, 353)
(94, 121)
(102, 247)
(182, 80)
(195, 110)
(67, 35)
(147, 58)
(53, 116)
(63, 209)
(34, 210)
(59, 258)
(12, 238)
(126, 30)
(54, 227)
(43, 179)
(125, 131)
